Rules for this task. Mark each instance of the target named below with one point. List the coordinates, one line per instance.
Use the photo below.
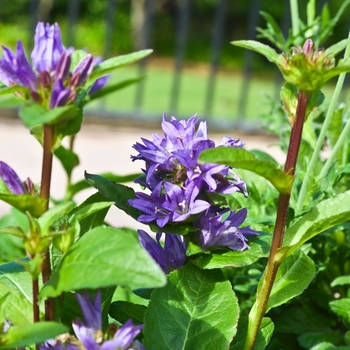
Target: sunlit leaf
(241, 158)
(103, 257)
(195, 307)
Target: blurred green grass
(158, 86)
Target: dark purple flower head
(169, 257)
(89, 335)
(181, 202)
(152, 206)
(15, 69)
(91, 311)
(215, 232)
(60, 95)
(48, 47)
(49, 81)
(11, 179)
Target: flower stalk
(259, 308)
(45, 193)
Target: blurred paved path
(101, 148)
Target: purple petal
(82, 70)
(59, 95)
(91, 311)
(47, 47)
(11, 179)
(99, 84)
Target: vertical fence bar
(145, 42)
(248, 57)
(73, 14)
(110, 27)
(215, 55)
(183, 16)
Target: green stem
(259, 308)
(45, 193)
(342, 138)
(295, 17)
(321, 138)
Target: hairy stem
(259, 308)
(321, 138)
(45, 193)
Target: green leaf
(328, 213)
(120, 194)
(4, 90)
(258, 47)
(122, 311)
(293, 277)
(25, 202)
(308, 340)
(68, 159)
(108, 66)
(241, 158)
(195, 307)
(14, 306)
(340, 281)
(34, 115)
(329, 346)
(10, 102)
(342, 308)
(263, 337)
(260, 248)
(11, 247)
(83, 184)
(336, 48)
(77, 56)
(112, 88)
(114, 255)
(52, 215)
(30, 334)
(85, 211)
(336, 126)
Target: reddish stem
(281, 218)
(45, 193)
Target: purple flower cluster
(49, 82)
(89, 335)
(180, 187)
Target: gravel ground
(101, 148)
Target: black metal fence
(185, 13)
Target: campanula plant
(241, 253)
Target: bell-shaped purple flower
(82, 71)
(15, 69)
(89, 333)
(60, 95)
(214, 232)
(169, 257)
(182, 202)
(48, 47)
(11, 179)
(152, 206)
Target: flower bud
(11, 179)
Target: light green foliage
(123, 261)
(196, 309)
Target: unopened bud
(45, 79)
(36, 97)
(63, 65)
